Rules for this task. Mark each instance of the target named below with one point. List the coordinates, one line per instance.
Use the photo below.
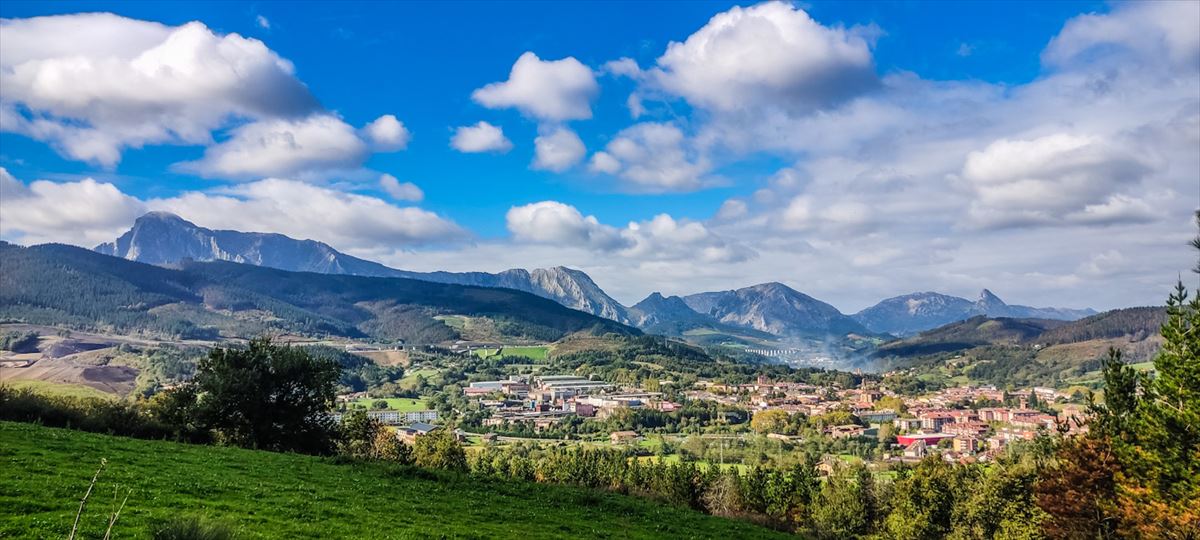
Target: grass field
(532, 352)
(410, 377)
(270, 495)
(59, 389)
(395, 404)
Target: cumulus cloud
(772, 53)
(119, 83)
(666, 238)
(481, 137)
(804, 213)
(1158, 30)
(557, 149)
(547, 90)
(603, 162)
(344, 220)
(85, 212)
(1044, 180)
(552, 222)
(387, 133)
(660, 238)
(88, 212)
(654, 158)
(400, 191)
(282, 148)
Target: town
(869, 423)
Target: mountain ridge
(201, 300)
(912, 313)
(166, 239)
(163, 238)
(774, 308)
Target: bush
(91, 414)
(365, 438)
(439, 449)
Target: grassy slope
(532, 352)
(268, 495)
(395, 404)
(59, 389)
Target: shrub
(440, 450)
(91, 414)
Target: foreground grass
(270, 495)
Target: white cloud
(10, 187)
(654, 158)
(732, 209)
(481, 137)
(400, 191)
(660, 238)
(604, 162)
(805, 213)
(552, 222)
(1142, 30)
(636, 108)
(344, 220)
(1036, 181)
(86, 212)
(666, 238)
(283, 147)
(262, 22)
(388, 134)
(89, 212)
(119, 83)
(771, 53)
(624, 67)
(547, 90)
(557, 149)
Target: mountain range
(164, 239)
(913, 313)
(55, 284)
(770, 309)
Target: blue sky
(760, 192)
(421, 61)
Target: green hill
(1025, 352)
(973, 332)
(63, 285)
(271, 495)
(1134, 323)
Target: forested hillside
(972, 332)
(64, 285)
(1019, 352)
(1137, 323)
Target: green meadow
(271, 495)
